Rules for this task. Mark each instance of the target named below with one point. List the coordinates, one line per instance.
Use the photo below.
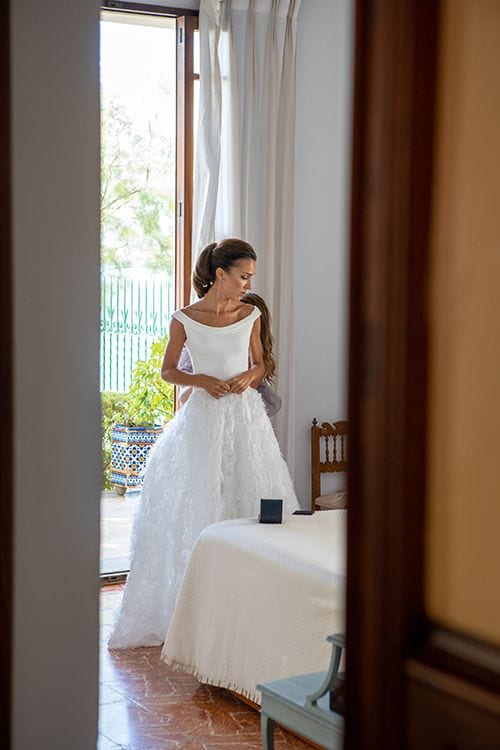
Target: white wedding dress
(214, 461)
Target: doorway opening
(148, 116)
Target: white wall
(56, 408)
(322, 174)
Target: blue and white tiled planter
(129, 450)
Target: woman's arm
(169, 371)
(186, 365)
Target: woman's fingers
(217, 388)
(220, 389)
(237, 385)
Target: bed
(258, 601)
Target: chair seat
(333, 501)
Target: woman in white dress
(218, 457)
(272, 402)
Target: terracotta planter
(129, 450)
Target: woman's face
(238, 278)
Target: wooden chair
(328, 454)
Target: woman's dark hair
(223, 254)
(265, 333)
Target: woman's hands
(241, 382)
(215, 387)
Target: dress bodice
(218, 351)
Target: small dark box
(271, 511)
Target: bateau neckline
(219, 328)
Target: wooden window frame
(149, 10)
(186, 25)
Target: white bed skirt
(258, 601)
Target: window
(148, 119)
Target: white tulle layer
(213, 462)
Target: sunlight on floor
(117, 515)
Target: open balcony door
(411, 685)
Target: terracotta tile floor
(146, 705)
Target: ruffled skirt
(214, 461)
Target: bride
(218, 457)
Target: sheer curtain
(244, 159)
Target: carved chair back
(328, 453)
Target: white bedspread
(258, 601)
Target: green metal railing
(134, 313)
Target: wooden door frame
(6, 383)
(400, 664)
(186, 26)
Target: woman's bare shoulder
(196, 312)
(196, 307)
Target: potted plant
(149, 405)
(114, 409)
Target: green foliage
(114, 408)
(137, 204)
(149, 401)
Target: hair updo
(223, 254)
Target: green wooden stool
(308, 704)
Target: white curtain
(244, 158)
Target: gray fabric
(272, 402)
